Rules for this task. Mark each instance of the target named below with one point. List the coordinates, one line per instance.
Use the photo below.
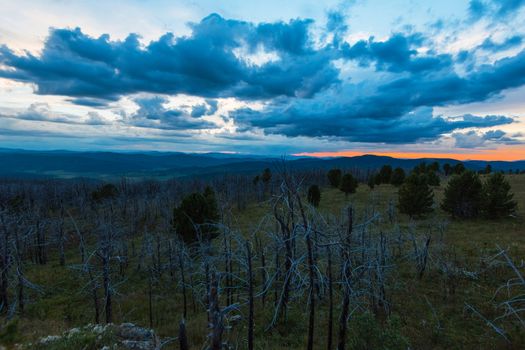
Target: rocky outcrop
(136, 338)
(126, 336)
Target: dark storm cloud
(303, 91)
(391, 111)
(418, 125)
(203, 63)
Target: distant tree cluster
(347, 183)
(387, 175)
(457, 169)
(467, 197)
(265, 178)
(431, 172)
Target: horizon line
(507, 155)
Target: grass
(424, 314)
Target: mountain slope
(20, 163)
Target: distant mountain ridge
(70, 164)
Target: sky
(323, 78)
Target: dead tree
(250, 296)
(346, 280)
(330, 301)
(217, 317)
(183, 338)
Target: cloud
(396, 54)
(204, 63)
(490, 45)
(470, 139)
(153, 113)
(418, 125)
(306, 84)
(208, 108)
(43, 113)
(474, 139)
(496, 9)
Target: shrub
(348, 184)
(334, 177)
(463, 195)
(108, 191)
(9, 332)
(266, 176)
(367, 333)
(314, 195)
(497, 198)
(195, 217)
(415, 196)
(398, 176)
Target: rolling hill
(67, 164)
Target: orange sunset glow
(507, 154)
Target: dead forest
(295, 276)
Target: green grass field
(427, 316)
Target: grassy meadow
(424, 311)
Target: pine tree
(334, 177)
(314, 195)
(459, 168)
(348, 184)
(415, 196)
(398, 176)
(196, 216)
(463, 195)
(266, 176)
(385, 174)
(498, 200)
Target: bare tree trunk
(150, 299)
(346, 280)
(4, 267)
(183, 338)
(107, 290)
(343, 319)
(250, 296)
(311, 317)
(263, 273)
(330, 302)
(94, 295)
(183, 281)
(216, 316)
